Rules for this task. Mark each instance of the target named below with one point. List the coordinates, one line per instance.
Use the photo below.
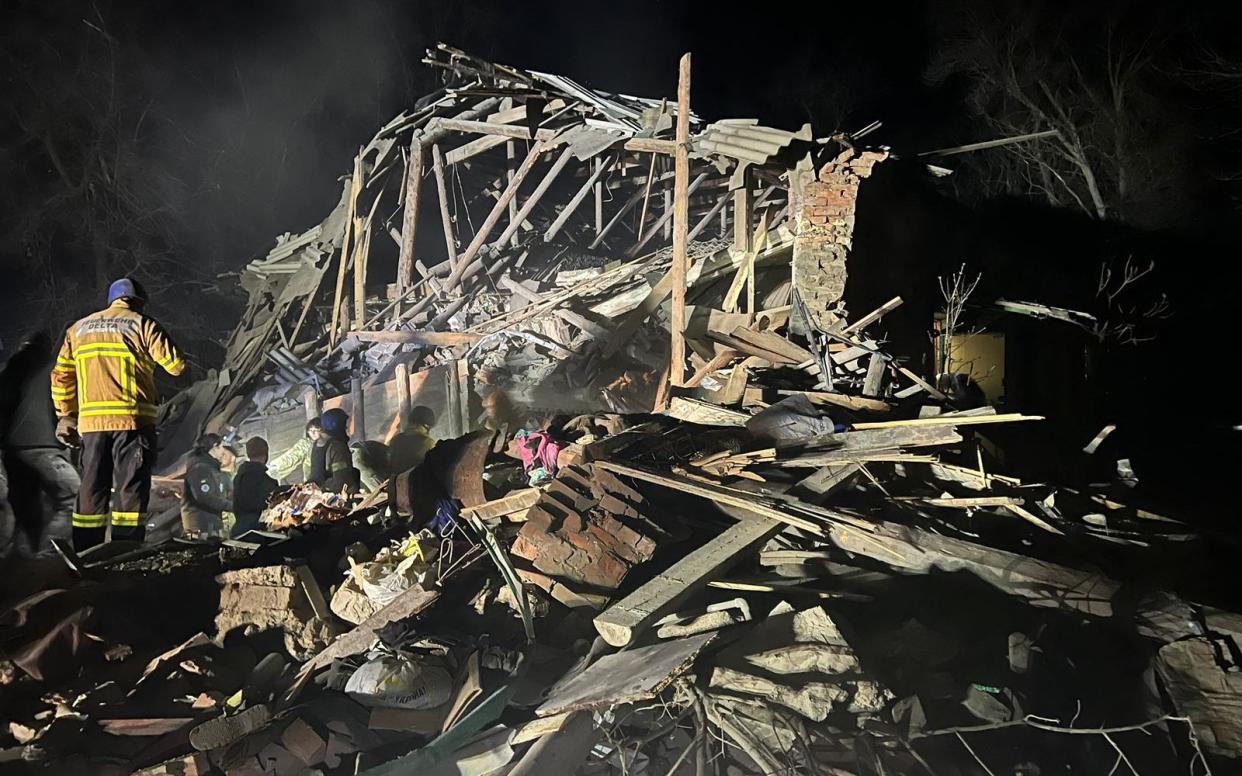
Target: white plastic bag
(401, 682)
(394, 570)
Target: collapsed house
(687, 513)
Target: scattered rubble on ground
(781, 551)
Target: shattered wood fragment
(872, 316)
(873, 383)
(625, 677)
(437, 339)
(701, 412)
(843, 400)
(970, 502)
(949, 420)
(635, 613)
(1042, 583)
(1031, 518)
(857, 445)
(541, 726)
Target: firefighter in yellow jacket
(103, 386)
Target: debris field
(687, 514)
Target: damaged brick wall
(825, 228)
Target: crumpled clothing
(539, 476)
(447, 512)
(538, 450)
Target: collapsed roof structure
(555, 203)
(764, 545)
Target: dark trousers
(116, 482)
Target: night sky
(244, 114)
(256, 108)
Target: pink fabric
(539, 449)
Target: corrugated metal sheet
(745, 140)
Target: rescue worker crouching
(103, 389)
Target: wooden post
(599, 196)
(510, 158)
(310, 400)
(463, 394)
(874, 381)
(403, 395)
(446, 221)
(642, 214)
(362, 254)
(357, 414)
(667, 218)
(516, 219)
(743, 204)
(489, 223)
(362, 237)
(355, 186)
(681, 226)
(668, 205)
(409, 218)
(593, 182)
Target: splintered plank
(842, 400)
(635, 613)
(514, 502)
(872, 316)
(948, 420)
(429, 338)
(1042, 583)
(694, 411)
(625, 677)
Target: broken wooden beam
(489, 223)
(439, 339)
(446, 220)
(872, 316)
(647, 144)
(409, 218)
(681, 218)
(949, 420)
(516, 219)
(592, 182)
(634, 614)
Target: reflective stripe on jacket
(296, 457)
(105, 372)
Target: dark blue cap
(125, 288)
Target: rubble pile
(783, 551)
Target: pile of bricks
(583, 536)
(282, 597)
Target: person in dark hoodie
(34, 457)
(206, 492)
(339, 474)
(251, 487)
